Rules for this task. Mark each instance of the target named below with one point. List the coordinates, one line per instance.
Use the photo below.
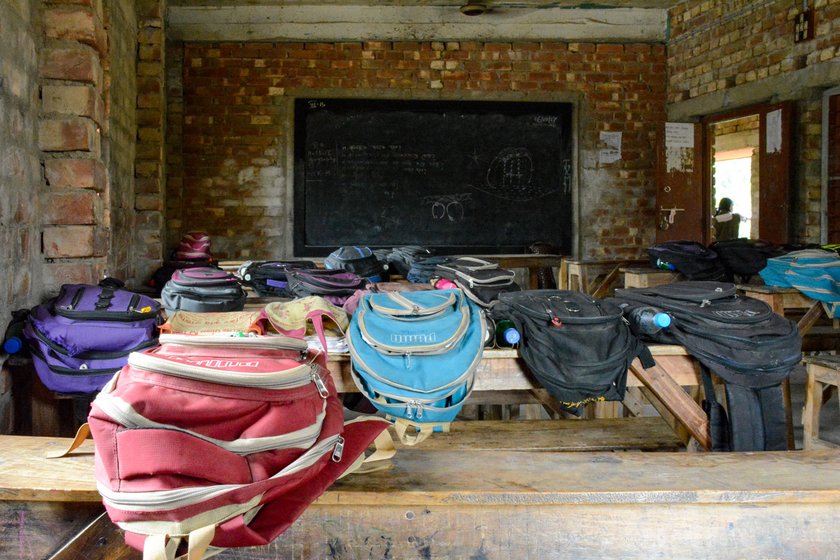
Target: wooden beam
(234, 21)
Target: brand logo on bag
(424, 338)
(227, 364)
(736, 313)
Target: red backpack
(222, 441)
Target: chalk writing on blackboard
(511, 176)
(449, 206)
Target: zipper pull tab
(338, 450)
(409, 411)
(408, 360)
(552, 318)
(319, 383)
(418, 407)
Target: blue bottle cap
(511, 336)
(662, 320)
(13, 345)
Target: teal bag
(414, 356)
(814, 272)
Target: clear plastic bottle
(648, 320)
(506, 334)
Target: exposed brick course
(234, 123)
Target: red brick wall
(721, 45)
(233, 176)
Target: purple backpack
(333, 285)
(202, 290)
(81, 338)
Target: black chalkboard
(460, 176)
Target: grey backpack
(203, 289)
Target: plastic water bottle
(664, 265)
(648, 320)
(13, 340)
(506, 334)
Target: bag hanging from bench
(481, 280)
(738, 338)
(268, 278)
(222, 441)
(79, 339)
(203, 289)
(579, 348)
(414, 356)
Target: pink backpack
(218, 441)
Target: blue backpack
(414, 356)
(814, 272)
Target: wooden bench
(456, 503)
(531, 264)
(502, 370)
(823, 372)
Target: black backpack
(690, 258)
(578, 348)
(268, 278)
(745, 257)
(742, 341)
(482, 281)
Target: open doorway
(735, 176)
(747, 159)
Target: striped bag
(210, 442)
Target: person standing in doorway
(725, 222)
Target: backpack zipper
(281, 379)
(91, 354)
(181, 497)
(123, 413)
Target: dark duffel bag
(268, 278)
(692, 259)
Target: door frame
(707, 159)
(824, 164)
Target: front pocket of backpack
(153, 452)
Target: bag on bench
(203, 289)
(358, 260)
(741, 340)
(222, 441)
(481, 280)
(578, 348)
(268, 278)
(690, 258)
(333, 285)
(79, 339)
(414, 356)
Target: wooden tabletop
(451, 477)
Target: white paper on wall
(679, 147)
(612, 152)
(774, 131)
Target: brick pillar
(74, 239)
(150, 162)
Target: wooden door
(774, 174)
(681, 207)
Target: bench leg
(811, 416)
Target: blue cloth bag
(813, 272)
(414, 356)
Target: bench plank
(453, 503)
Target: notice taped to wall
(679, 147)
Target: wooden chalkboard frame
(326, 132)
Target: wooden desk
(504, 370)
(480, 504)
(781, 300)
(638, 277)
(595, 277)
